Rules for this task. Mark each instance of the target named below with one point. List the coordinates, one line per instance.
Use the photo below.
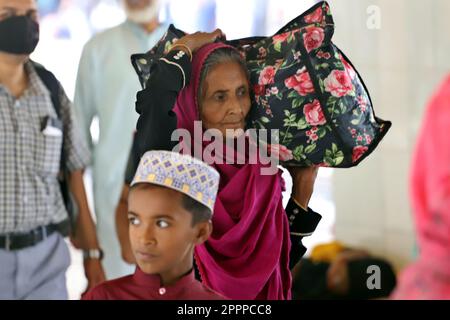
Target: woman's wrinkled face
(225, 100)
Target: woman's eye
(242, 92)
(133, 221)
(162, 224)
(219, 97)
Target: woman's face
(225, 100)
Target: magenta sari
(247, 256)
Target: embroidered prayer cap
(182, 173)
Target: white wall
(401, 63)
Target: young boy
(171, 202)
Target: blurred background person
(429, 276)
(334, 271)
(106, 88)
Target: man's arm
(85, 230)
(76, 158)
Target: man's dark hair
(200, 212)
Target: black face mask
(19, 35)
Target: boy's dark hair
(200, 212)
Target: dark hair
(200, 212)
(216, 57)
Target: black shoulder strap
(52, 85)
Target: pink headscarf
(429, 276)
(247, 256)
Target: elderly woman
(255, 240)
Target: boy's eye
(162, 224)
(133, 220)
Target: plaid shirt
(30, 153)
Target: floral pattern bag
(142, 62)
(305, 87)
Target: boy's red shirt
(142, 286)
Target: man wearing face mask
(106, 88)
(35, 134)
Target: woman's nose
(235, 107)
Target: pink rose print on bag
(362, 103)
(358, 152)
(267, 76)
(259, 90)
(262, 53)
(312, 134)
(349, 68)
(281, 38)
(280, 152)
(315, 17)
(300, 82)
(313, 38)
(313, 113)
(323, 55)
(338, 83)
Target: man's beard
(143, 15)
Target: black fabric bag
(306, 88)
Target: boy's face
(161, 232)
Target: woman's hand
(303, 184)
(197, 40)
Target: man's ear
(204, 230)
